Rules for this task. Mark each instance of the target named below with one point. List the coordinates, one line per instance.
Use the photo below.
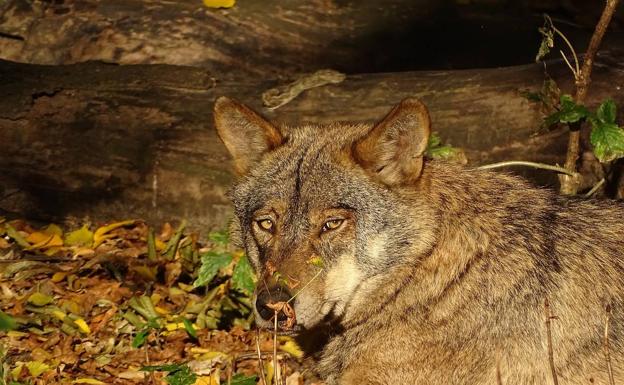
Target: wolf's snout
(264, 297)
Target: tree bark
(109, 142)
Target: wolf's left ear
(395, 147)
(246, 134)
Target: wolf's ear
(246, 134)
(395, 147)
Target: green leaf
(569, 112)
(606, 112)
(241, 379)
(243, 276)
(212, 262)
(188, 326)
(140, 338)
(608, 140)
(12, 233)
(183, 376)
(7, 322)
(172, 245)
(151, 245)
(144, 306)
(219, 237)
(163, 368)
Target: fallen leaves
(97, 303)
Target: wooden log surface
(277, 38)
(108, 142)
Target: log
(107, 142)
(278, 38)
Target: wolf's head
(323, 211)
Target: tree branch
(569, 184)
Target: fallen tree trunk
(106, 141)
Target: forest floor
(121, 303)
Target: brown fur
(436, 273)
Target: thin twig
(569, 185)
(568, 63)
(606, 346)
(542, 166)
(551, 358)
(576, 71)
(261, 364)
(595, 188)
(276, 369)
(306, 285)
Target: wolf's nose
(264, 297)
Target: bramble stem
(569, 184)
(542, 166)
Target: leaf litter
(122, 303)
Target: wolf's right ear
(246, 134)
(394, 148)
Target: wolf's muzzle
(272, 295)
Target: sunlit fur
(438, 280)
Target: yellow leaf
(81, 237)
(160, 245)
(219, 3)
(268, 371)
(59, 276)
(161, 310)
(100, 234)
(203, 380)
(15, 373)
(59, 314)
(88, 381)
(41, 240)
(290, 346)
(16, 334)
(40, 299)
(82, 325)
(52, 229)
(35, 368)
(173, 326)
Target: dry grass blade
(606, 345)
(276, 367)
(260, 362)
(551, 358)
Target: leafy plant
(178, 374)
(606, 136)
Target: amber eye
(332, 224)
(265, 224)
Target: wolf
(419, 271)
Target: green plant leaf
(241, 379)
(212, 262)
(7, 322)
(243, 276)
(569, 112)
(606, 112)
(179, 374)
(188, 326)
(172, 245)
(219, 237)
(608, 140)
(140, 338)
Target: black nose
(277, 294)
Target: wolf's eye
(265, 224)
(332, 224)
